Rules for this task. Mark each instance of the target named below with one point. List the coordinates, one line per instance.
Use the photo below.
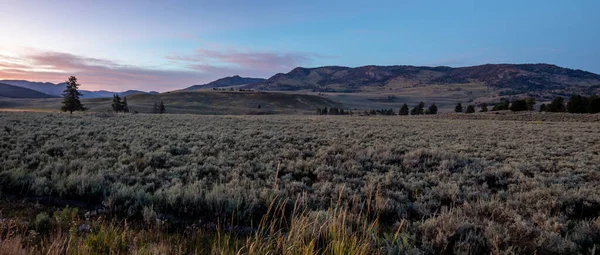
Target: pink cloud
(96, 74)
(200, 67)
(255, 62)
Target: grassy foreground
(463, 184)
(343, 229)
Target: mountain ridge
(56, 90)
(506, 78)
(10, 91)
(235, 80)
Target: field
(196, 102)
(482, 183)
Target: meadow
(502, 183)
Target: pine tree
(484, 107)
(433, 109)
(117, 105)
(530, 102)
(557, 105)
(458, 108)
(403, 110)
(542, 107)
(155, 108)
(418, 110)
(71, 96)
(125, 106)
(470, 109)
(161, 108)
(594, 104)
(519, 105)
(577, 104)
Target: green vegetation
(71, 96)
(458, 108)
(418, 109)
(403, 110)
(433, 183)
(118, 105)
(483, 107)
(470, 109)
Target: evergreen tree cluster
(332, 111)
(576, 104)
(159, 107)
(118, 105)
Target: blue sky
(165, 45)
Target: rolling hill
(542, 80)
(11, 91)
(235, 80)
(194, 102)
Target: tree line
(576, 104)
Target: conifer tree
(470, 109)
(458, 108)
(403, 110)
(71, 96)
(117, 105)
(433, 109)
(125, 107)
(161, 108)
(484, 107)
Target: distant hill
(194, 102)
(57, 89)
(501, 79)
(11, 91)
(235, 80)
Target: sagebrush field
(484, 183)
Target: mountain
(11, 91)
(503, 79)
(57, 89)
(235, 80)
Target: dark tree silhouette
(403, 110)
(117, 105)
(125, 106)
(557, 105)
(577, 104)
(161, 108)
(470, 109)
(458, 108)
(433, 109)
(519, 105)
(484, 107)
(71, 96)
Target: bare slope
(197, 102)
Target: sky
(165, 45)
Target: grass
(483, 183)
(342, 229)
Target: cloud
(257, 63)
(94, 73)
(201, 66)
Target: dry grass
(482, 183)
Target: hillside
(196, 102)
(57, 89)
(18, 92)
(541, 80)
(235, 80)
